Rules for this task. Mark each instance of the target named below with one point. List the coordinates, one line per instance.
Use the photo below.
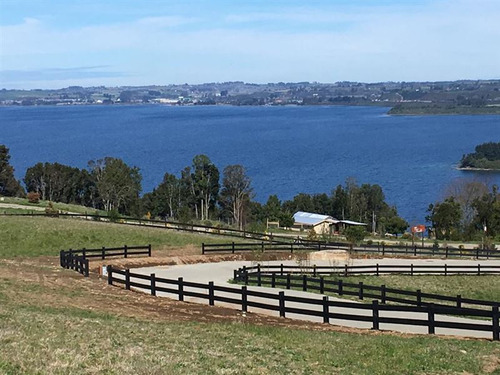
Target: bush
(435, 245)
(113, 215)
(312, 235)
(33, 197)
(355, 234)
(50, 210)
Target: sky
(60, 43)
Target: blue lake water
(286, 150)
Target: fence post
(326, 313)
(70, 257)
(203, 248)
(109, 270)
(232, 247)
(411, 269)
(103, 252)
(495, 320)
(244, 299)
(321, 285)
(84, 253)
(262, 246)
(282, 303)
(273, 280)
(304, 283)
(383, 248)
(446, 255)
(86, 270)
(459, 301)
(314, 270)
(259, 280)
(430, 312)
(415, 250)
(288, 281)
(341, 291)
(281, 269)
(383, 293)
(125, 249)
(479, 270)
(375, 313)
(180, 282)
(149, 250)
(211, 299)
(360, 290)
(153, 284)
(419, 297)
(345, 271)
(127, 279)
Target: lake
(286, 150)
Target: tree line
(200, 192)
(470, 210)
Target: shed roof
(310, 218)
(350, 222)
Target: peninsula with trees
(485, 157)
(403, 98)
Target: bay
(286, 150)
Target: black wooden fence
(260, 247)
(78, 260)
(379, 249)
(309, 279)
(323, 308)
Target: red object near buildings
(418, 229)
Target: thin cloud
(58, 74)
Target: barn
(322, 224)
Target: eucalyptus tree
(236, 193)
(118, 184)
(205, 185)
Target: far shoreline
(472, 169)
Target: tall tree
(118, 184)
(466, 192)
(9, 186)
(205, 180)
(166, 199)
(236, 193)
(445, 218)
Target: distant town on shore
(404, 98)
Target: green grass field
(38, 338)
(58, 206)
(54, 321)
(36, 236)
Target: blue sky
(55, 43)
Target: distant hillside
(487, 156)
(406, 98)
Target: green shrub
(113, 215)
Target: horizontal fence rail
(314, 307)
(78, 260)
(262, 247)
(312, 278)
(379, 249)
